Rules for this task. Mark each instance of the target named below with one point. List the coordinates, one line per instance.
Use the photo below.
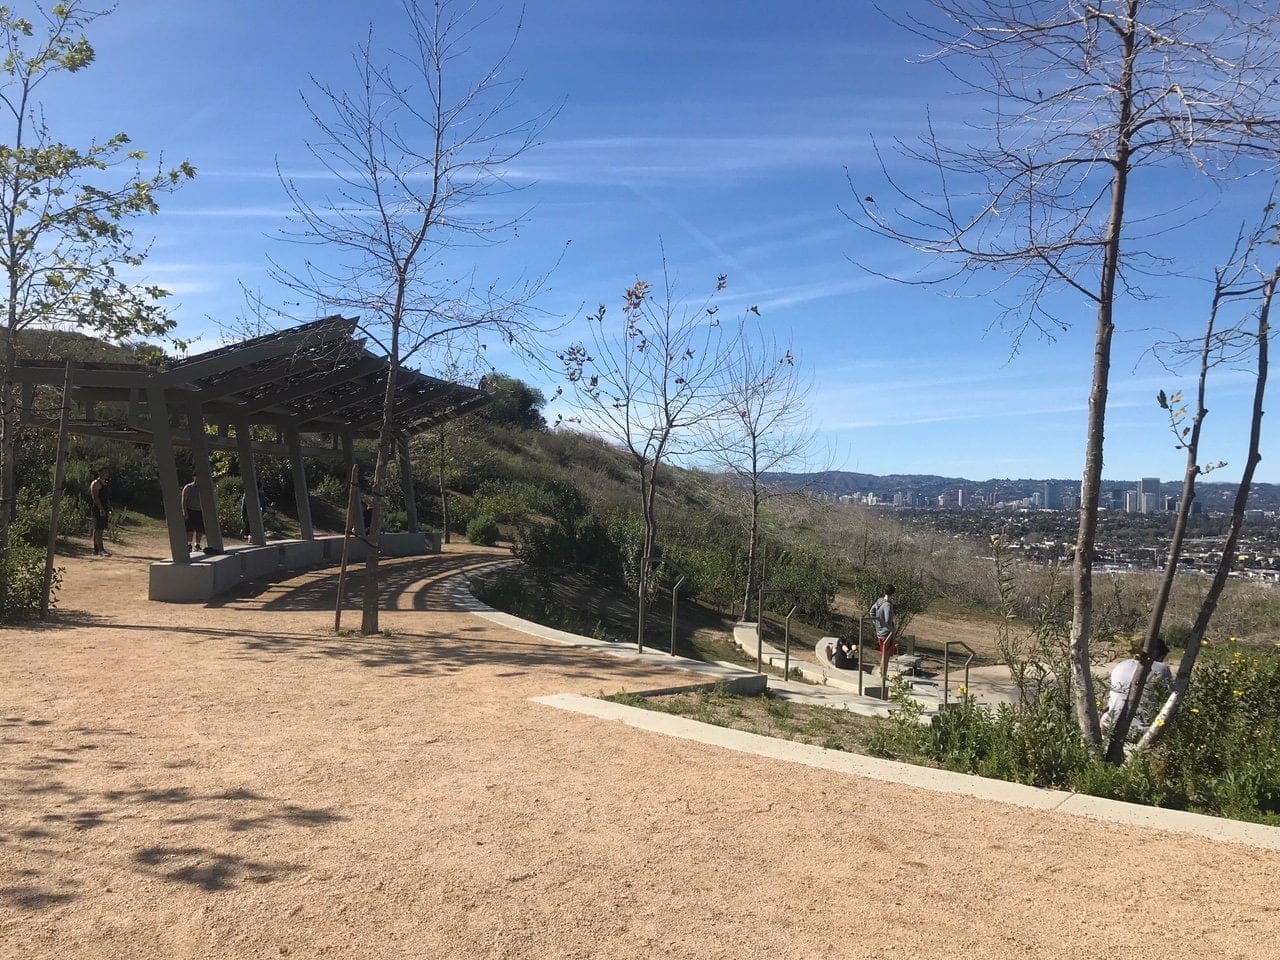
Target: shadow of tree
(209, 870)
(34, 872)
(32, 898)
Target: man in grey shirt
(886, 633)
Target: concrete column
(406, 485)
(204, 476)
(170, 488)
(293, 440)
(249, 483)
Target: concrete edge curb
(924, 778)
(461, 596)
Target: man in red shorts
(881, 614)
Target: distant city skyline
(730, 134)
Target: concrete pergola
(314, 387)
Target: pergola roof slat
(304, 337)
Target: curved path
(235, 781)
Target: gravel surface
(235, 781)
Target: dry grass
(768, 716)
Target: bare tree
(764, 429)
(652, 384)
(1240, 281)
(1080, 96)
(410, 152)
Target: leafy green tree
(64, 210)
(513, 403)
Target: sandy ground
(234, 781)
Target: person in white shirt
(1122, 676)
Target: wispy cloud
(875, 398)
(235, 212)
(629, 160)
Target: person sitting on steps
(844, 654)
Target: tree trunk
(649, 489)
(444, 490)
(751, 550)
(1083, 697)
(386, 436)
(8, 437)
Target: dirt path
(234, 781)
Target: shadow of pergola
(413, 583)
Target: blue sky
(722, 130)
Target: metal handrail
(946, 668)
(786, 654)
(772, 592)
(675, 599)
(860, 672)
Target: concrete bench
(208, 575)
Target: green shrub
(483, 530)
(332, 490)
(1221, 754)
(24, 561)
(395, 519)
(510, 502)
(227, 490)
(1220, 757)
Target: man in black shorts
(100, 507)
(192, 514)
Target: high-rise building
(1132, 501)
(1148, 486)
(960, 498)
(1046, 497)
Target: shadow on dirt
(48, 819)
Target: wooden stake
(352, 506)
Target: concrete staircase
(839, 688)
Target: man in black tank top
(100, 507)
(192, 515)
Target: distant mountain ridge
(1213, 496)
